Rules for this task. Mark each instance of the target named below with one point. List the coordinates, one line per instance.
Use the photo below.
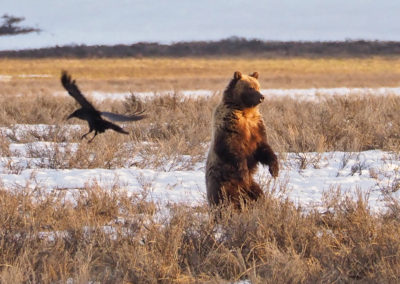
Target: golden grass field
(193, 73)
(107, 236)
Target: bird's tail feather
(123, 118)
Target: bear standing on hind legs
(239, 142)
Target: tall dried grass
(353, 123)
(113, 238)
(178, 127)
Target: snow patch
(304, 177)
(5, 78)
(310, 94)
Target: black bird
(92, 115)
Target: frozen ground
(304, 177)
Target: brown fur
(239, 142)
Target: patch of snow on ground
(5, 78)
(316, 93)
(19, 131)
(101, 96)
(34, 76)
(310, 94)
(300, 94)
(304, 177)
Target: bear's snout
(251, 99)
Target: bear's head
(243, 91)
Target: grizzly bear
(239, 142)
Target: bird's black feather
(74, 91)
(122, 118)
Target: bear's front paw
(274, 169)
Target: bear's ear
(254, 75)
(237, 75)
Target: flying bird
(93, 116)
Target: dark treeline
(227, 47)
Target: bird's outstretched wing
(74, 91)
(123, 118)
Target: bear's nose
(261, 98)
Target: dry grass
(194, 73)
(113, 238)
(177, 131)
(339, 123)
(178, 127)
